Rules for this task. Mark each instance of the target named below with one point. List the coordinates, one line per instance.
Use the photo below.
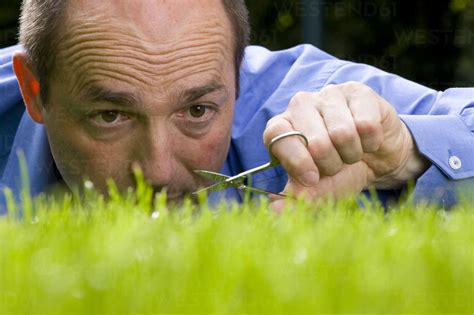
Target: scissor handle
(273, 160)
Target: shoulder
(301, 68)
(257, 56)
(275, 76)
(9, 90)
(7, 76)
(7, 53)
(11, 103)
(289, 66)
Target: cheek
(215, 151)
(78, 158)
(209, 152)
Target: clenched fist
(356, 140)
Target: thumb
(294, 189)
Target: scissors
(238, 181)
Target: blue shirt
(442, 123)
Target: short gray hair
(41, 21)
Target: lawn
(123, 256)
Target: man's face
(148, 83)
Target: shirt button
(455, 162)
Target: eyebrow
(99, 94)
(196, 93)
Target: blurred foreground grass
(114, 257)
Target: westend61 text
(339, 9)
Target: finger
(304, 116)
(277, 203)
(348, 182)
(293, 189)
(363, 103)
(291, 152)
(340, 124)
(296, 190)
(278, 206)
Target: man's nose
(156, 157)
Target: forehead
(156, 20)
(146, 43)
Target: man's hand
(356, 140)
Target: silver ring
(286, 135)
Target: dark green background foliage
(431, 42)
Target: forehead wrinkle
(191, 71)
(99, 33)
(161, 54)
(94, 62)
(86, 51)
(139, 69)
(91, 31)
(99, 75)
(137, 73)
(153, 55)
(207, 56)
(90, 22)
(96, 56)
(96, 74)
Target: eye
(197, 111)
(108, 118)
(197, 118)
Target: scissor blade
(234, 181)
(260, 191)
(224, 185)
(213, 188)
(242, 176)
(212, 175)
(221, 179)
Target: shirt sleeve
(441, 123)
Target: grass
(120, 256)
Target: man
(113, 84)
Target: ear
(29, 86)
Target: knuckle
(367, 126)
(328, 93)
(295, 164)
(330, 88)
(354, 157)
(333, 168)
(295, 161)
(325, 156)
(275, 126)
(354, 87)
(354, 83)
(300, 98)
(342, 135)
(301, 95)
(319, 148)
